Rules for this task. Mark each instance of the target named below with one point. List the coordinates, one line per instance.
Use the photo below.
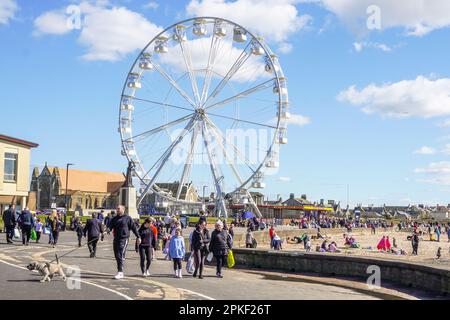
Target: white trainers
(144, 275)
(119, 276)
(147, 273)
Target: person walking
(415, 243)
(271, 235)
(219, 246)
(249, 239)
(155, 234)
(121, 225)
(26, 224)
(38, 228)
(177, 252)
(94, 230)
(167, 222)
(107, 221)
(199, 244)
(9, 222)
(55, 226)
(146, 246)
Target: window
(10, 167)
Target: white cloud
(438, 172)
(7, 10)
(299, 120)
(446, 149)
(284, 179)
(444, 123)
(276, 20)
(285, 48)
(359, 46)
(108, 33)
(421, 97)
(417, 17)
(151, 5)
(51, 22)
(425, 150)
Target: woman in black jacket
(219, 246)
(200, 241)
(148, 242)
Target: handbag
(190, 265)
(230, 260)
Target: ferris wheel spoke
(162, 161)
(188, 165)
(214, 48)
(243, 57)
(174, 84)
(228, 142)
(158, 129)
(240, 120)
(188, 62)
(261, 86)
(228, 159)
(217, 175)
(160, 103)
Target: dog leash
(67, 253)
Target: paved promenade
(97, 283)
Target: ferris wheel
(205, 106)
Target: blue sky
(388, 138)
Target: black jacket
(26, 219)
(9, 218)
(93, 228)
(147, 237)
(200, 239)
(220, 243)
(121, 226)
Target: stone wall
(403, 273)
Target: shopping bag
(209, 257)
(46, 230)
(230, 259)
(190, 265)
(16, 233)
(33, 235)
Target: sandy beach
(368, 242)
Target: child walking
(38, 228)
(177, 252)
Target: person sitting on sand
(333, 247)
(324, 246)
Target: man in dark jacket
(219, 246)
(94, 230)
(200, 241)
(9, 221)
(26, 223)
(121, 225)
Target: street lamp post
(65, 195)
(204, 199)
